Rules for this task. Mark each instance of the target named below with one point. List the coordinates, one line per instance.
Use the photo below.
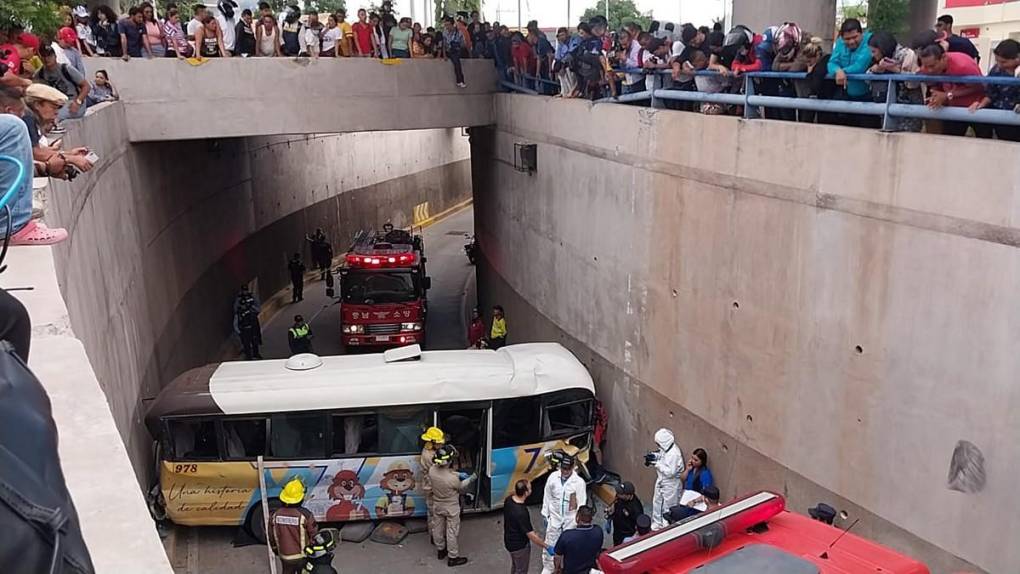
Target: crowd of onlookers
(596, 62)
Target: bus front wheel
(255, 525)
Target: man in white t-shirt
(227, 20)
(195, 24)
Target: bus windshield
(379, 287)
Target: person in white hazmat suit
(668, 462)
(565, 492)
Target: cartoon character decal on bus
(350, 494)
(397, 484)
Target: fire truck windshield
(368, 287)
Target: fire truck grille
(384, 329)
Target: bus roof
(366, 381)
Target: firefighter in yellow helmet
(434, 438)
(291, 527)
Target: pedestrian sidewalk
(114, 518)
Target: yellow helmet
(434, 434)
(293, 492)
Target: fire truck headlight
(354, 329)
(410, 326)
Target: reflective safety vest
(498, 328)
(300, 332)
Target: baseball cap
(28, 40)
(625, 488)
(46, 93)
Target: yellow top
(498, 328)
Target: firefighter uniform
(432, 437)
(291, 528)
(446, 488)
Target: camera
(71, 172)
(651, 458)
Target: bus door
(467, 429)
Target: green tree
(857, 11)
(620, 13)
(326, 6)
(451, 7)
(889, 16)
(39, 16)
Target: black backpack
(41, 534)
(584, 62)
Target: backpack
(41, 530)
(584, 62)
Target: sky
(553, 13)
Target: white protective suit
(559, 512)
(668, 465)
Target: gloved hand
(463, 475)
(550, 550)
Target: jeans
(14, 142)
(401, 54)
(65, 111)
(454, 55)
(15, 325)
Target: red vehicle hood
(380, 313)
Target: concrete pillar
(923, 14)
(817, 17)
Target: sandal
(36, 233)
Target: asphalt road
(210, 550)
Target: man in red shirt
(362, 35)
(476, 331)
(523, 56)
(936, 61)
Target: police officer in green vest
(299, 336)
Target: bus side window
(567, 418)
(400, 429)
(244, 438)
(354, 434)
(297, 435)
(516, 422)
(193, 439)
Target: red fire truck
(754, 534)
(382, 290)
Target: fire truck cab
(383, 289)
(750, 535)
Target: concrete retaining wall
(163, 234)
(828, 311)
(172, 100)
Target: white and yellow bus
(349, 427)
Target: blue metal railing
(889, 110)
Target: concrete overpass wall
(234, 97)
(828, 311)
(817, 17)
(163, 234)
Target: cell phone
(92, 157)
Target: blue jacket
(852, 62)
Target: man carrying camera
(36, 106)
(565, 492)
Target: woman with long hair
(104, 30)
(154, 31)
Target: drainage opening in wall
(526, 158)
(859, 349)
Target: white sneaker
(461, 85)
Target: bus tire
(254, 523)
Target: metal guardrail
(751, 101)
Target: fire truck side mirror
(427, 283)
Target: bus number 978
(184, 468)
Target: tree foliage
(451, 7)
(39, 16)
(326, 6)
(889, 16)
(620, 13)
